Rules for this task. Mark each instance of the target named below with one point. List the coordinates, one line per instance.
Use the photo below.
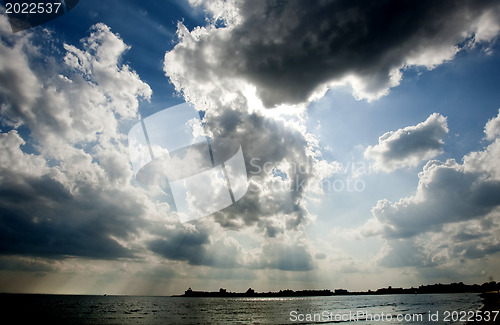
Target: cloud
(197, 245)
(68, 192)
(404, 252)
(446, 193)
(273, 54)
(271, 199)
(100, 63)
(279, 141)
(58, 102)
(452, 217)
(409, 146)
(66, 184)
(181, 244)
(209, 245)
(452, 250)
(273, 202)
(43, 216)
(286, 257)
(492, 128)
(320, 256)
(27, 264)
(290, 50)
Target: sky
(370, 132)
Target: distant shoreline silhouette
(423, 289)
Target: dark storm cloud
(39, 216)
(195, 246)
(195, 254)
(27, 264)
(180, 245)
(289, 48)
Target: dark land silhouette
(423, 289)
(488, 291)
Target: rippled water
(59, 309)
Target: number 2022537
(33, 8)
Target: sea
(373, 309)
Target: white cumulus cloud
(409, 146)
(452, 218)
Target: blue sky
(382, 100)
(149, 25)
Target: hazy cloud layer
(409, 146)
(286, 257)
(288, 50)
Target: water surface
(68, 309)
